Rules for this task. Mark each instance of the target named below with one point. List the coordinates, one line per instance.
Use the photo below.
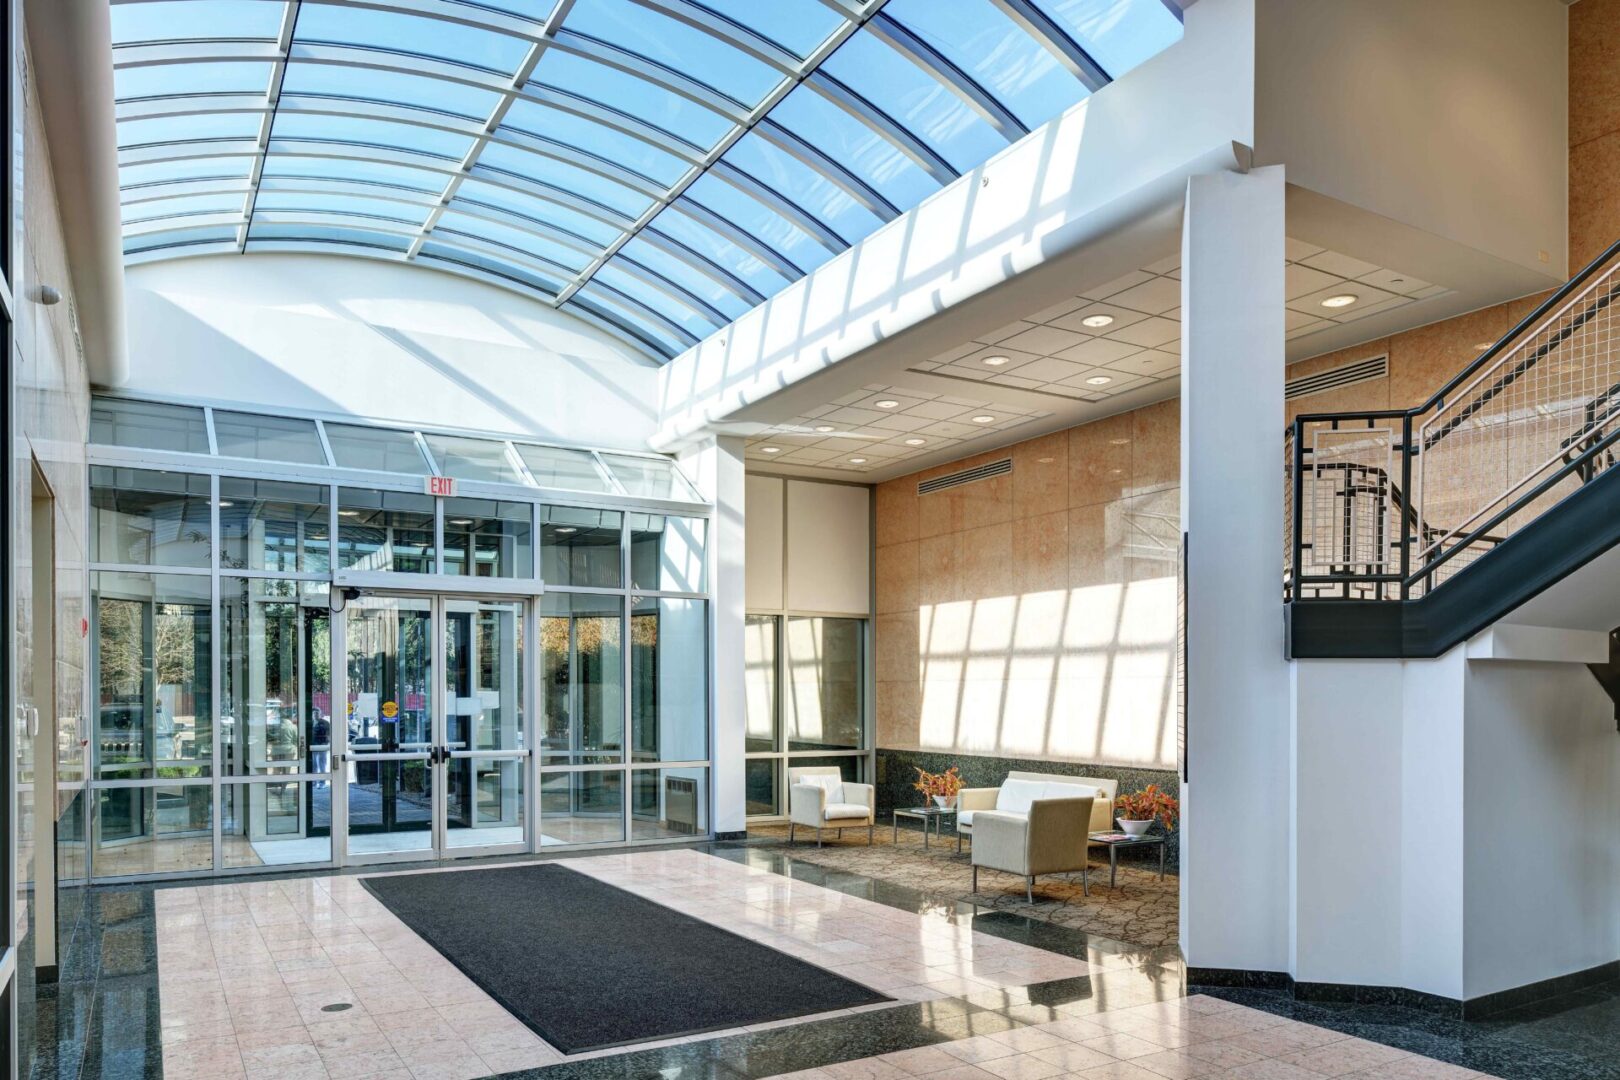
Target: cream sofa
(1022, 788)
(820, 798)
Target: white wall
(348, 336)
(1542, 769)
(1446, 115)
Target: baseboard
(1451, 1008)
(741, 834)
(45, 974)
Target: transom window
(654, 166)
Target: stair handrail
(1412, 443)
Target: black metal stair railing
(1389, 504)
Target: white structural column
(1234, 843)
(718, 467)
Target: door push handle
(33, 721)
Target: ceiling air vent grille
(966, 476)
(1345, 375)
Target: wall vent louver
(1345, 375)
(965, 476)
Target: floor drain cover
(336, 1007)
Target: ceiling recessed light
(984, 419)
(461, 521)
(770, 449)
(1100, 380)
(857, 461)
(1118, 442)
(348, 513)
(915, 442)
(1341, 300)
(1097, 320)
(224, 502)
(887, 403)
(824, 428)
(994, 361)
(567, 529)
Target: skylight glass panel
(759, 221)
(182, 20)
(169, 129)
(537, 209)
(799, 26)
(523, 243)
(170, 80)
(416, 34)
(649, 295)
(369, 84)
(1115, 33)
(632, 96)
(604, 305)
(187, 204)
(688, 277)
(134, 197)
(855, 146)
(920, 102)
(163, 172)
(351, 129)
(208, 234)
(473, 459)
(295, 202)
(287, 164)
(738, 261)
(676, 46)
(446, 249)
(571, 179)
(556, 467)
(264, 232)
(992, 50)
(374, 449)
(267, 438)
(603, 142)
(804, 186)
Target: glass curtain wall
(213, 727)
(624, 642)
(805, 702)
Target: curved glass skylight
(655, 166)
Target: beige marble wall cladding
(1033, 615)
(52, 417)
(1594, 128)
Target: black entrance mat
(588, 965)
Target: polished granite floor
(1126, 1017)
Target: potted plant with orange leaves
(1136, 811)
(940, 787)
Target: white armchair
(820, 798)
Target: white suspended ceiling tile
(1336, 263)
(1299, 280)
(1118, 285)
(1366, 296)
(854, 416)
(995, 337)
(1151, 363)
(1015, 381)
(1050, 369)
(1122, 317)
(1295, 250)
(1058, 310)
(1166, 265)
(1361, 311)
(975, 360)
(1098, 351)
(901, 401)
(1044, 340)
(945, 430)
(937, 410)
(1149, 333)
(1154, 296)
(908, 421)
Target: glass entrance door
(436, 752)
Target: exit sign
(439, 485)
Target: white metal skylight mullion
(708, 268)
(738, 37)
(496, 117)
(631, 63)
(653, 279)
(812, 156)
(1040, 26)
(537, 189)
(278, 75)
(959, 82)
(797, 73)
(780, 204)
(898, 135)
(763, 252)
(584, 159)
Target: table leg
(897, 830)
(925, 834)
(1113, 863)
(1164, 849)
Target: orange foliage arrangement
(1147, 804)
(945, 784)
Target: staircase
(1408, 531)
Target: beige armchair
(820, 798)
(1048, 839)
(1020, 789)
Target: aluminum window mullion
(673, 290)
(897, 134)
(780, 204)
(703, 265)
(215, 661)
(739, 37)
(1055, 40)
(632, 63)
(813, 157)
